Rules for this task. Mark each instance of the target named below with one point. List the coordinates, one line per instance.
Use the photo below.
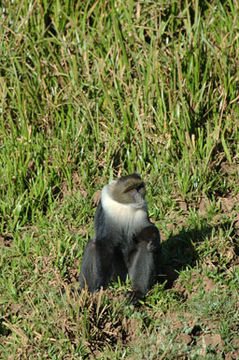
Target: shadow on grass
(179, 252)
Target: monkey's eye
(130, 189)
(133, 188)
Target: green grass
(92, 90)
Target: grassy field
(92, 90)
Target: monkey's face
(129, 190)
(135, 194)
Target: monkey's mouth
(140, 204)
(138, 197)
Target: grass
(91, 90)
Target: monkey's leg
(118, 265)
(97, 266)
(141, 270)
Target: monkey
(125, 241)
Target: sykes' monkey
(125, 240)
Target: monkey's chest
(124, 225)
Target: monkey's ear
(96, 197)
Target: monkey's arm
(141, 271)
(143, 261)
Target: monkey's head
(129, 189)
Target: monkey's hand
(133, 297)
